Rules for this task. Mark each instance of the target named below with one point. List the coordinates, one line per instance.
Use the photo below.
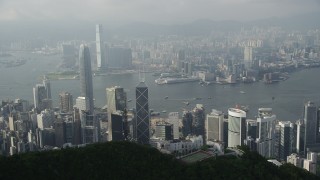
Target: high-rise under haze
(142, 119)
(214, 126)
(101, 58)
(66, 102)
(86, 86)
(310, 122)
(236, 127)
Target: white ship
(175, 80)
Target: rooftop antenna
(143, 74)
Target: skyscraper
(266, 132)
(116, 99)
(285, 139)
(117, 104)
(86, 86)
(214, 125)
(66, 102)
(42, 95)
(310, 122)
(186, 123)
(198, 120)
(101, 58)
(247, 56)
(236, 127)
(173, 118)
(142, 124)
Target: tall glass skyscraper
(101, 58)
(86, 87)
(310, 121)
(142, 120)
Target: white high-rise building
(266, 123)
(214, 126)
(101, 58)
(236, 127)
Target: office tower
(101, 58)
(69, 131)
(198, 120)
(77, 138)
(117, 103)
(142, 121)
(266, 122)
(12, 121)
(236, 127)
(48, 137)
(300, 136)
(45, 119)
(119, 57)
(89, 127)
(252, 129)
(115, 126)
(187, 119)
(116, 99)
(214, 126)
(82, 103)
(60, 129)
(42, 95)
(173, 118)
(164, 131)
(66, 102)
(86, 86)
(247, 57)
(47, 86)
(310, 122)
(285, 139)
(39, 94)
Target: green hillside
(124, 160)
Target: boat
(164, 111)
(197, 98)
(129, 100)
(242, 92)
(155, 113)
(186, 103)
(175, 80)
(166, 97)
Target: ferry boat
(175, 80)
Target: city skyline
(232, 87)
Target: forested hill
(124, 160)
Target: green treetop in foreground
(124, 160)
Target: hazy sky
(154, 11)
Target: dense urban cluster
(246, 56)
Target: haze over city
(179, 83)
